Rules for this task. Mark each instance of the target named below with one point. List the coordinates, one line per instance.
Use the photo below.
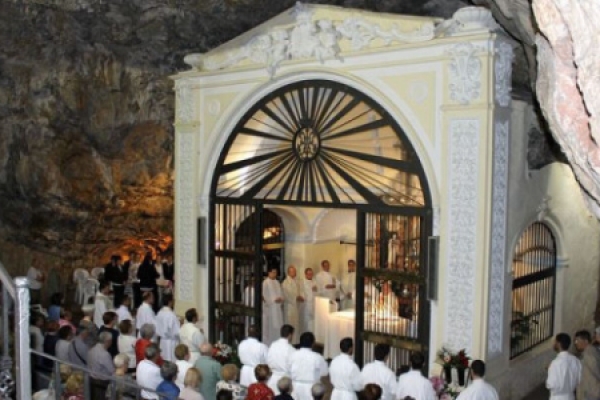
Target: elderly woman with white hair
(125, 386)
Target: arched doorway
(319, 143)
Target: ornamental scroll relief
(321, 39)
(498, 247)
(186, 224)
(464, 71)
(503, 72)
(462, 235)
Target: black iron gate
(391, 294)
(236, 270)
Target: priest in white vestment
(279, 357)
(102, 303)
(327, 285)
(564, 373)
(272, 307)
(344, 374)
(190, 335)
(308, 308)
(413, 383)
(123, 311)
(379, 373)
(167, 328)
(307, 368)
(479, 389)
(251, 352)
(145, 314)
(293, 294)
(348, 286)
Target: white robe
(379, 373)
(190, 335)
(478, 390)
(145, 315)
(182, 368)
(278, 360)
(102, 304)
(348, 288)
(344, 375)
(307, 368)
(123, 313)
(414, 384)
(323, 279)
(308, 314)
(167, 328)
(564, 375)
(272, 312)
(291, 290)
(251, 353)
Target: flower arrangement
(225, 354)
(448, 359)
(443, 390)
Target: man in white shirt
(123, 311)
(272, 302)
(344, 374)
(145, 314)
(167, 328)
(190, 335)
(413, 383)
(478, 389)
(182, 354)
(564, 372)
(308, 308)
(379, 373)
(148, 372)
(307, 367)
(293, 294)
(251, 352)
(327, 284)
(279, 356)
(102, 303)
(348, 286)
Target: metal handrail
(87, 372)
(7, 281)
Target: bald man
(210, 370)
(293, 296)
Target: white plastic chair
(97, 272)
(90, 287)
(80, 275)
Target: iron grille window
(533, 289)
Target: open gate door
(391, 284)
(235, 270)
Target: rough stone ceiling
(87, 108)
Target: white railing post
(23, 365)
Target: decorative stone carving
(462, 235)
(307, 39)
(498, 246)
(186, 223)
(474, 19)
(503, 72)
(543, 209)
(185, 103)
(214, 107)
(464, 71)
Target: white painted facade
(447, 84)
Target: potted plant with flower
(457, 360)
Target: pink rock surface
(568, 84)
